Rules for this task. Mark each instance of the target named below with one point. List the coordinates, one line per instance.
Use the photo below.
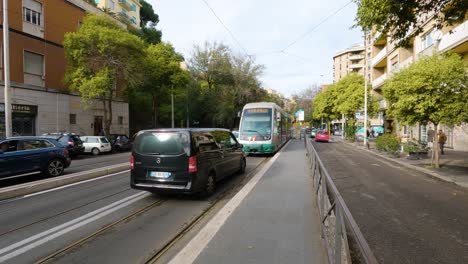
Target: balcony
(356, 57)
(380, 60)
(124, 4)
(402, 65)
(356, 66)
(379, 39)
(457, 40)
(379, 81)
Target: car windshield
(163, 143)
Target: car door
(226, 163)
(9, 163)
(32, 153)
(237, 153)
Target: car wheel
(242, 166)
(95, 151)
(210, 185)
(54, 168)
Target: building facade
(347, 61)
(388, 59)
(126, 10)
(41, 102)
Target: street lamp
(6, 56)
(365, 89)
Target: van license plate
(160, 174)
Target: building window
(31, 16)
(97, 2)
(111, 5)
(134, 7)
(394, 63)
(427, 39)
(33, 68)
(120, 120)
(72, 119)
(134, 20)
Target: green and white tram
(264, 128)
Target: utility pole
(365, 89)
(6, 58)
(172, 104)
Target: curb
(41, 185)
(413, 167)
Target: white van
(96, 144)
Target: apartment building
(388, 59)
(348, 61)
(41, 102)
(127, 10)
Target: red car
(322, 136)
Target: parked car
(96, 144)
(120, 142)
(20, 155)
(71, 141)
(184, 160)
(322, 136)
(313, 131)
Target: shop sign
(20, 109)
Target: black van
(184, 160)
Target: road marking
(69, 226)
(191, 251)
(72, 184)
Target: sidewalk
(276, 222)
(453, 164)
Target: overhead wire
(316, 26)
(227, 29)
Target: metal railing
(343, 239)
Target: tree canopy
(403, 19)
(101, 57)
(433, 89)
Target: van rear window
(163, 143)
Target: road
(406, 216)
(130, 226)
(81, 163)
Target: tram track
(171, 242)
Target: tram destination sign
(21, 109)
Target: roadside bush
(388, 143)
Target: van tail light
(192, 164)
(71, 143)
(132, 162)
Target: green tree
(147, 14)
(324, 104)
(101, 57)
(401, 17)
(433, 89)
(162, 73)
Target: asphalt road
(81, 163)
(406, 216)
(34, 227)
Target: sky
(293, 39)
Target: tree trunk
(155, 111)
(435, 147)
(108, 122)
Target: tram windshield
(256, 121)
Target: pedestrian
(442, 140)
